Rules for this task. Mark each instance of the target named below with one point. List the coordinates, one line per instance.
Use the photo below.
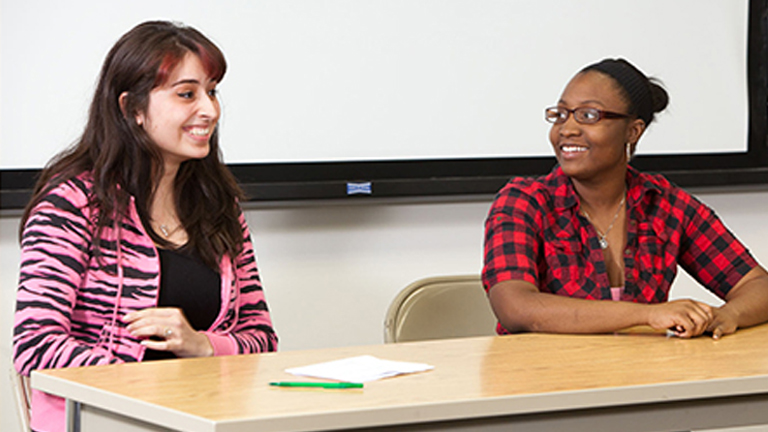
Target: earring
(629, 151)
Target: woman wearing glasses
(597, 229)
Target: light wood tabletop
(474, 378)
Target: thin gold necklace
(166, 232)
(166, 229)
(602, 240)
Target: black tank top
(188, 284)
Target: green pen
(325, 385)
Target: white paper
(359, 369)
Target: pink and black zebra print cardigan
(69, 305)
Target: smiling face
(592, 151)
(182, 113)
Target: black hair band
(634, 83)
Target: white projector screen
(386, 80)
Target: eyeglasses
(582, 115)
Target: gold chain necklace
(603, 241)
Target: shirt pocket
(566, 266)
(652, 238)
(655, 258)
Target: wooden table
(528, 382)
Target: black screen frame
(313, 181)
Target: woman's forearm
(519, 306)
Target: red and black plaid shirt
(534, 232)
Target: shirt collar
(638, 185)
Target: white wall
(386, 79)
(330, 271)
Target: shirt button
(632, 223)
(627, 252)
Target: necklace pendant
(164, 230)
(603, 243)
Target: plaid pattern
(534, 233)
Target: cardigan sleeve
(252, 331)
(55, 251)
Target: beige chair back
(22, 393)
(439, 308)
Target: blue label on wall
(359, 188)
